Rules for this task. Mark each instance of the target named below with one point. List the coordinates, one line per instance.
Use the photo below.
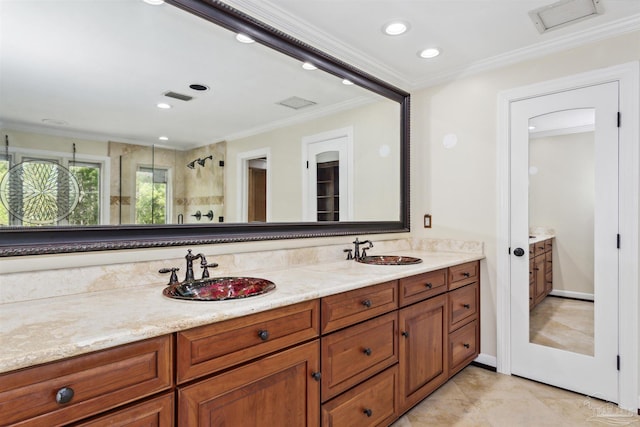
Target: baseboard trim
(486, 361)
(572, 295)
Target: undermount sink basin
(219, 288)
(389, 260)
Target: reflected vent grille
(296, 103)
(179, 96)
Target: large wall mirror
(126, 124)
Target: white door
(573, 193)
(330, 150)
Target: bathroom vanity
(360, 350)
(540, 269)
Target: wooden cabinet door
(422, 349)
(539, 277)
(157, 412)
(278, 390)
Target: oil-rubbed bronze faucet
(189, 275)
(356, 252)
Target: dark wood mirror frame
(48, 240)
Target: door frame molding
(628, 76)
(242, 179)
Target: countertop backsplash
(71, 281)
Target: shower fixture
(192, 165)
(201, 161)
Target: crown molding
(307, 32)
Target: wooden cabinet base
(156, 412)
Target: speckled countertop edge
(46, 330)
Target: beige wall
(458, 186)
(376, 177)
(61, 144)
(561, 197)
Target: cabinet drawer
(463, 346)
(539, 248)
(355, 306)
(221, 345)
(372, 403)
(157, 412)
(463, 274)
(548, 245)
(463, 305)
(422, 286)
(99, 381)
(354, 354)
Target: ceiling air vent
(564, 13)
(179, 96)
(296, 103)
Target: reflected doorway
(257, 194)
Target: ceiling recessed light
(164, 105)
(199, 87)
(395, 28)
(347, 82)
(163, 138)
(154, 2)
(309, 66)
(243, 38)
(431, 52)
(532, 127)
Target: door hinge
(619, 118)
(618, 362)
(618, 241)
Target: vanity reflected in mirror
(175, 132)
(561, 228)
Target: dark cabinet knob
(367, 351)
(405, 334)
(465, 345)
(64, 395)
(467, 306)
(465, 274)
(316, 376)
(367, 303)
(518, 251)
(263, 334)
(429, 285)
(368, 412)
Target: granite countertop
(45, 330)
(539, 238)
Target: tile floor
(563, 323)
(479, 397)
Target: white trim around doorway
(629, 297)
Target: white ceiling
(64, 60)
(472, 34)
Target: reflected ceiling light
(431, 52)
(163, 138)
(164, 105)
(347, 82)
(395, 28)
(199, 87)
(243, 38)
(154, 2)
(532, 127)
(309, 66)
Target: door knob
(518, 251)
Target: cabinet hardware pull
(316, 376)
(467, 306)
(465, 274)
(429, 285)
(263, 334)
(64, 395)
(367, 303)
(367, 351)
(405, 334)
(466, 345)
(368, 412)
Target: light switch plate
(427, 221)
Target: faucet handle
(174, 277)
(349, 254)
(205, 267)
(364, 252)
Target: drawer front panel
(422, 286)
(372, 403)
(100, 381)
(463, 305)
(221, 345)
(352, 355)
(463, 346)
(463, 274)
(356, 306)
(539, 248)
(156, 412)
